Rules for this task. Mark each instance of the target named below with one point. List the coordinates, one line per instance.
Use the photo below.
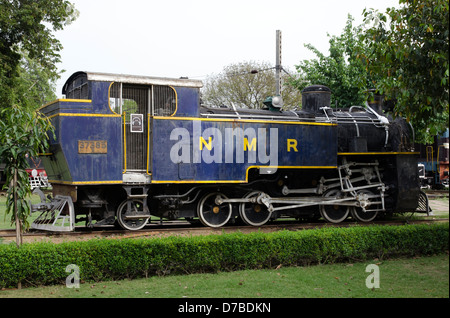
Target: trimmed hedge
(103, 259)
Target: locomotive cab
(107, 119)
(103, 131)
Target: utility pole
(278, 66)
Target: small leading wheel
(254, 213)
(334, 213)
(131, 215)
(212, 214)
(366, 200)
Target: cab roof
(134, 79)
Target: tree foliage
(246, 85)
(26, 34)
(342, 70)
(23, 133)
(29, 52)
(36, 83)
(407, 49)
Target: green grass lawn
(422, 277)
(5, 220)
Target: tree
(342, 70)
(36, 83)
(22, 133)
(407, 49)
(28, 56)
(26, 28)
(246, 85)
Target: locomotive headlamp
(274, 102)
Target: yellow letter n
(208, 144)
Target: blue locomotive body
(221, 150)
(127, 147)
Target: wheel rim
(334, 213)
(212, 214)
(364, 216)
(254, 213)
(124, 217)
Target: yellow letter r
(292, 143)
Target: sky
(197, 38)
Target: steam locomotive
(130, 147)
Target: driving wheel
(211, 213)
(368, 203)
(334, 213)
(255, 214)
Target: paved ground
(439, 205)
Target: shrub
(103, 259)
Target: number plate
(92, 146)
